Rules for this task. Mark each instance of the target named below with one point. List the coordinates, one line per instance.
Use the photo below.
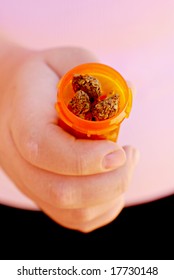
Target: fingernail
(114, 160)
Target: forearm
(11, 56)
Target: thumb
(125, 173)
(132, 156)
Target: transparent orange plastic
(110, 80)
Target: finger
(87, 219)
(63, 59)
(68, 191)
(132, 87)
(56, 151)
(132, 156)
(79, 215)
(61, 153)
(73, 191)
(101, 221)
(42, 142)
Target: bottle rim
(87, 126)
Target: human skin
(80, 184)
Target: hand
(80, 184)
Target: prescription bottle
(110, 80)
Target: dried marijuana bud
(80, 104)
(89, 103)
(106, 108)
(88, 84)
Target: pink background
(137, 39)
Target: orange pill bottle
(110, 80)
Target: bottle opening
(111, 81)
